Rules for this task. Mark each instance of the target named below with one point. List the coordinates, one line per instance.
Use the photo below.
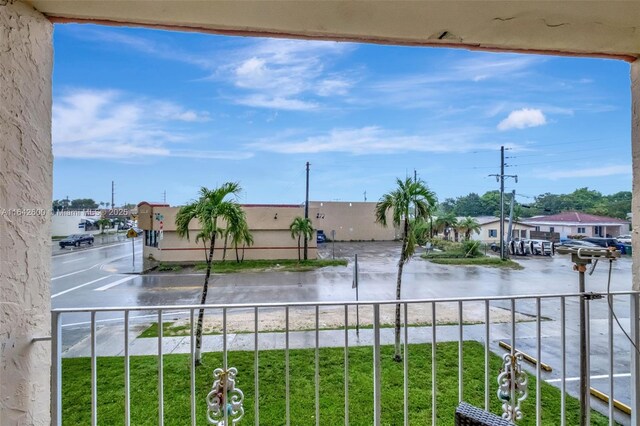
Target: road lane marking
(74, 260)
(72, 273)
(79, 286)
(89, 249)
(94, 266)
(575, 379)
(113, 284)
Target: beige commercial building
(269, 225)
(351, 221)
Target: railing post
(56, 370)
(377, 382)
(635, 361)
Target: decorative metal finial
(512, 386)
(224, 400)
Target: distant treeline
(582, 200)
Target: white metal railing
(484, 328)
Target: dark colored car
(321, 238)
(606, 242)
(577, 244)
(76, 240)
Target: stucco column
(25, 200)
(635, 240)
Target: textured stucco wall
(25, 183)
(352, 221)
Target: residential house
(490, 229)
(575, 223)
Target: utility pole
(113, 191)
(502, 254)
(513, 200)
(306, 212)
(164, 196)
(500, 178)
(415, 206)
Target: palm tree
(212, 207)
(422, 230)
(467, 226)
(445, 222)
(410, 196)
(242, 236)
(300, 227)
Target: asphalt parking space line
(79, 286)
(113, 284)
(600, 376)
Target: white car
(540, 247)
(624, 239)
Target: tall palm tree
(445, 222)
(467, 226)
(409, 197)
(213, 206)
(301, 227)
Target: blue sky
(168, 111)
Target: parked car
(321, 238)
(607, 242)
(577, 244)
(76, 240)
(624, 239)
(540, 247)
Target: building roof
(153, 204)
(576, 217)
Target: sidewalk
(110, 339)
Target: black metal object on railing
(469, 415)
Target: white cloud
(374, 140)
(278, 73)
(523, 118)
(280, 103)
(114, 125)
(589, 172)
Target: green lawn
(230, 265)
(144, 407)
(491, 261)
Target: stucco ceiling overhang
(590, 28)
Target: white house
(576, 223)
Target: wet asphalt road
(99, 277)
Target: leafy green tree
(301, 228)
(409, 197)
(469, 205)
(83, 203)
(447, 206)
(213, 206)
(490, 203)
(467, 226)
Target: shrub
(471, 248)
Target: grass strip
(494, 262)
(76, 391)
(258, 265)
